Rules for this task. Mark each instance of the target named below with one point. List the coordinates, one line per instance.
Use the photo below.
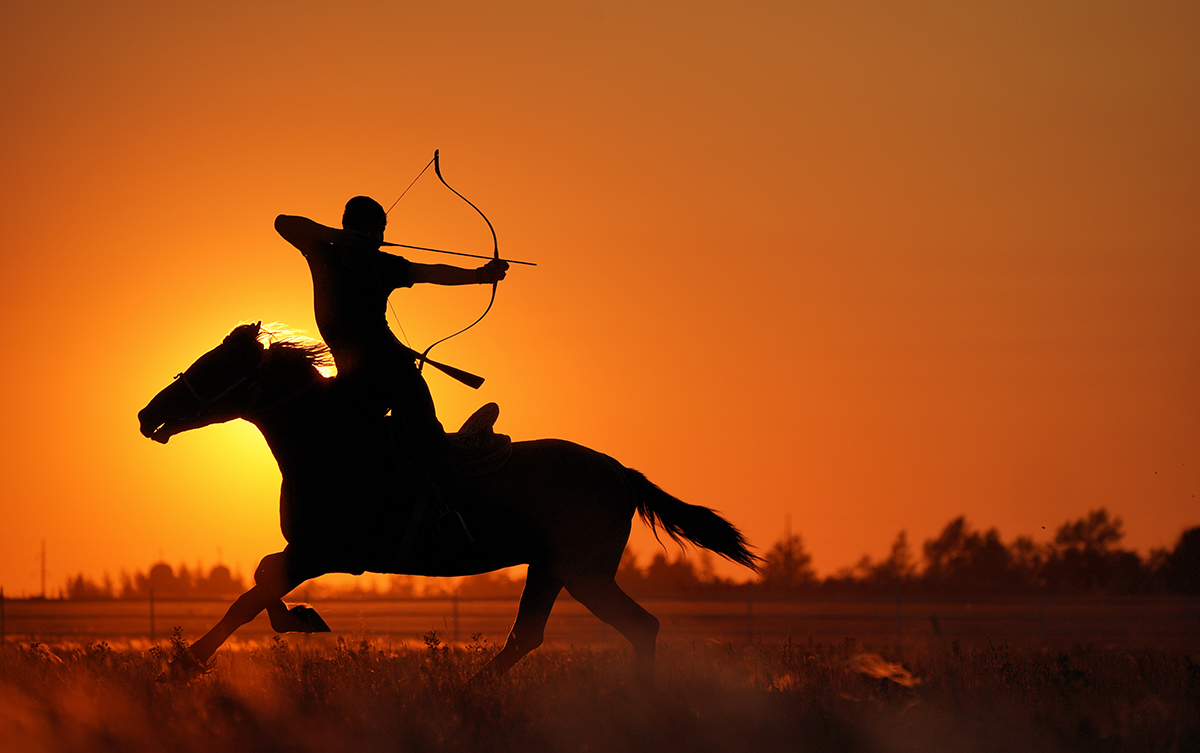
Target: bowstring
(389, 211)
(410, 185)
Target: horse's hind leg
(605, 599)
(529, 629)
(299, 618)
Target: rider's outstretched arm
(445, 274)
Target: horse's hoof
(183, 669)
(300, 619)
(313, 622)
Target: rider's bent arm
(303, 233)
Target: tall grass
(803, 696)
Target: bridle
(206, 405)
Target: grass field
(1162, 622)
(340, 695)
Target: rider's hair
(363, 213)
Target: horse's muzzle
(152, 428)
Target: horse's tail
(698, 525)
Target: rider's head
(364, 215)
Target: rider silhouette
(352, 280)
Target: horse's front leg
(270, 584)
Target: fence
(1158, 621)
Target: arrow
(457, 253)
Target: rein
(206, 405)
(281, 401)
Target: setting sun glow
(863, 267)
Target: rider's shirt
(351, 285)
(376, 372)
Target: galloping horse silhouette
(559, 507)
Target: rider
(352, 280)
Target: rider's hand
(493, 271)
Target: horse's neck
(312, 428)
(285, 445)
(294, 420)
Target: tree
(667, 577)
(1027, 559)
(964, 560)
(1181, 570)
(81, 587)
(663, 576)
(1084, 557)
(1095, 532)
(787, 567)
(899, 569)
(631, 577)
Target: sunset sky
(863, 266)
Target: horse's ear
(244, 333)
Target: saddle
(479, 451)
(478, 448)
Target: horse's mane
(291, 347)
(292, 344)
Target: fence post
(1041, 619)
(455, 633)
(899, 618)
(749, 613)
(1189, 618)
(152, 615)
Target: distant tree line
(166, 582)
(1085, 557)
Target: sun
(238, 450)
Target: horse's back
(564, 501)
(557, 467)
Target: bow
(423, 358)
(437, 169)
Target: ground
(797, 696)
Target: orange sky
(867, 266)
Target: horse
(348, 505)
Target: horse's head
(218, 387)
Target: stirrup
(445, 511)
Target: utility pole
(43, 568)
